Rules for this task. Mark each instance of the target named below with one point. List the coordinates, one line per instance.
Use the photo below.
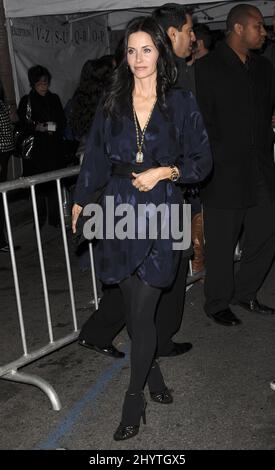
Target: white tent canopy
(119, 12)
(19, 8)
(63, 34)
(25, 8)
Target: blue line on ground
(64, 427)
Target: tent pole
(12, 59)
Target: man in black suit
(102, 327)
(235, 90)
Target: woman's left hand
(148, 179)
(76, 210)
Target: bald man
(235, 90)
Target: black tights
(141, 302)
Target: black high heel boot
(133, 409)
(161, 393)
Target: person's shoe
(256, 307)
(6, 248)
(165, 397)
(225, 317)
(178, 349)
(126, 432)
(107, 351)
(133, 409)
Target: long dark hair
(93, 79)
(121, 87)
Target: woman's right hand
(76, 210)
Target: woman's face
(142, 55)
(42, 86)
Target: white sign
(60, 46)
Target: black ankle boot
(133, 409)
(165, 397)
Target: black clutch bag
(95, 198)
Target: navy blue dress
(177, 139)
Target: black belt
(125, 170)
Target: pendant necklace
(139, 155)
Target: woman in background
(47, 122)
(6, 149)
(80, 109)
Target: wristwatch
(175, 174)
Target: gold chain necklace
(139, 155)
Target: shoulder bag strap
(29, 110)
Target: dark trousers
(222, 228)
(4, 161)
(47, 203)
(195, 202)
(104, 324)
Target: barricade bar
(15, 275)
(9, 371)
(37, 354)
(42, 264)
(27, 181)
(66, 250)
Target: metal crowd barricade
(10, 371)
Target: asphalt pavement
(222, 393)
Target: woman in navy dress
(145, 137)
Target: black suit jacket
(186, 75)
(236, 103)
